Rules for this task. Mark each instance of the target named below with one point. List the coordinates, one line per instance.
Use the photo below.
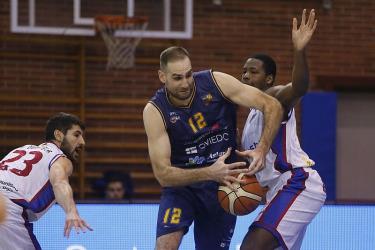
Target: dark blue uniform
(199, 134)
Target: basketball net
(120, 49)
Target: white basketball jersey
(285, 153)
(24, 177)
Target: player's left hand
(256, 158)
(73, 220)
(301, 36)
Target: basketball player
(296, 191)
(191, 129)
(33, 178)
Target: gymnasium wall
(355, 147)
(223, 36)
(43, 74)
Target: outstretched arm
(288, 95)
(251, 97)
(60, 171)
(160, 153)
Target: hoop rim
(117, 19)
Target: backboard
(167, 18)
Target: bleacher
(115, 137)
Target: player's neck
(57, 143)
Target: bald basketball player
(191, 130)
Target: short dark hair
(124, 178)
(172, 54)
(115, 178)
(269, 64)
(62, 122)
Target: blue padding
(318, 137)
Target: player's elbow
(161, 176)
(60, 185)
(167, 180)
(300, 90)
(162, 181)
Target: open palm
(302, 35)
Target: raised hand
(256, 158)
(301, 36)
(225, 173)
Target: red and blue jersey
(24, 177)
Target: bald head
(172, 54)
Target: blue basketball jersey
(199, 134)
(202, 131)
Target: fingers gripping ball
(245, 199)
(2, 208)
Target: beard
(68, 151)
(181, 96)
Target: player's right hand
(301, 35)
(225, 173)
(73, 220)
(256, 157)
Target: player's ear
(59, 136)
(162, 76)
(269, 80)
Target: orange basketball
(245, 199)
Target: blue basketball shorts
(181, 206)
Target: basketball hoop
(120, 49)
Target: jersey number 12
(197, 122)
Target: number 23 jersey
(24, 177)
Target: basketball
(2, 208)
(244, 199)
